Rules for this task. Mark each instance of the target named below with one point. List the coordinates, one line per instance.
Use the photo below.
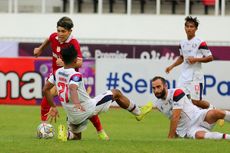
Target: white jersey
(176, 99)
(62, 79)
(195, 48)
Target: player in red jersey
(61, 39)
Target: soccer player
(76, 101)
(193, 52)
(58, 40)
(186, 119)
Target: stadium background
(129, 47)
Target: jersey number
(63, 89)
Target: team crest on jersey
(58, 49)
(76, 78)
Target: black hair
(159, 77)
(65, 22)
(191, 19)
(68, 54)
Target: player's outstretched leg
(97, 124)
(125, 103)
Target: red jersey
(56, 48)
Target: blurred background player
(186, 119)
(193, 52)
(77, 102)
(58, 40)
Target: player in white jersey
(186, 119)
(76, 101)
(193, 52)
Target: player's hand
(52, 114)
(191, 60)
(78, 107)
(168, 69)
(37, 52)
(59, 62)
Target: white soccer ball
(45, 131)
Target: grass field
(18, 135)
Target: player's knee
(77, 136)
(116, 94)
(219, 113)
(199, 135)
(74, 136)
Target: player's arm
(79, 62)
(74, 96)
(179, 60)
(178, 101)
(206, 59)
(77, 47)
(174, 122)
(39, 50)
(207, 55)
(201, 103)
(53, 112)
(47, 92)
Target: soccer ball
(45, 131)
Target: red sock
(45, 107)
(96, 122)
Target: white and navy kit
(191, 118)
(78, 119)
(191, 78)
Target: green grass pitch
(18, 135)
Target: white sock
(134, 109)
(227, 116)
(70, 135)
(216, 135)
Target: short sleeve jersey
(176, 99)
(195, 48)
(62, 79)
(56, 47)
